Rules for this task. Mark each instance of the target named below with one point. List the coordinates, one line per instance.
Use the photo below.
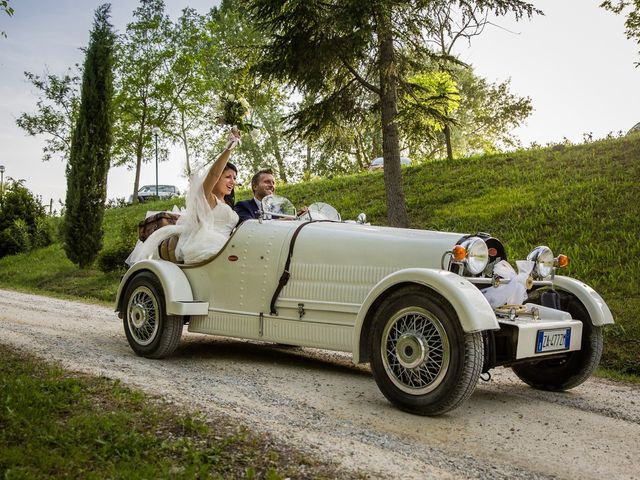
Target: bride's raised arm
(218, 167)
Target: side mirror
(361, 218)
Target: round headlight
(543, 259)
(477, 254)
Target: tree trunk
(185, 142)
(396, 209)
(447, 141)
(360, 151)
(139, 151)
(136, 182)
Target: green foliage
(18, 202)
(56, 112)
(23, 222)
(59, 425)
(46, 231)
(15, 239)
(4, 7)
(90, 148)
(487, 115)
(427, 104)
(361, 51)
(143, 86)
(112, 257)
(632, 22)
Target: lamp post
(1, 180)
(156, 131)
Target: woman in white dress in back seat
(206, 224)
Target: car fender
(592, 301)
(473, 310)
(175, 285)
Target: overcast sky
(574, 63)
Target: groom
(262, 184)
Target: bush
(23, 221)
(45, 232)
(15, 239)
(112, 259)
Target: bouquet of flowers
(235, 112)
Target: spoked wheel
(142, 315)
(150, 332)
(421, 358)
(415, 350)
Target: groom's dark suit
(246, 210)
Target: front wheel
(150, 331)
(422, 360)
(572, 369)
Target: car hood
(355, 244)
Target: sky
(574, 62)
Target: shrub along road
(320, 403)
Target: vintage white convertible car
(409, 302)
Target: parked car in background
(148, 192)
(378, 163)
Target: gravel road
(319, 402)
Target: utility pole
(1, 180)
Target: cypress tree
(90, 147)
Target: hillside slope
(581, 200)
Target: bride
(206, 224)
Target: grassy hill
(581, 200)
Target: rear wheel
(422, 360)
(150, 331)
(572, 369)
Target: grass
(581, 200)
(59, 425)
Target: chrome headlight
(543, 260)
(473, 253)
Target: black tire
(422, 360)
(150, 331)
(572, 369)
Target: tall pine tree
(90, 147)
(339, 52)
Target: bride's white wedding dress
(211, 236)
(203, 230)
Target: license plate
(552, 340)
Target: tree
(190, 89)
(487, 114)
(632, 23)
(481, 122)
(91, 147)
(56, 112)
(340, 50)
(142, 102)
(426, 108)
(4, 7)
